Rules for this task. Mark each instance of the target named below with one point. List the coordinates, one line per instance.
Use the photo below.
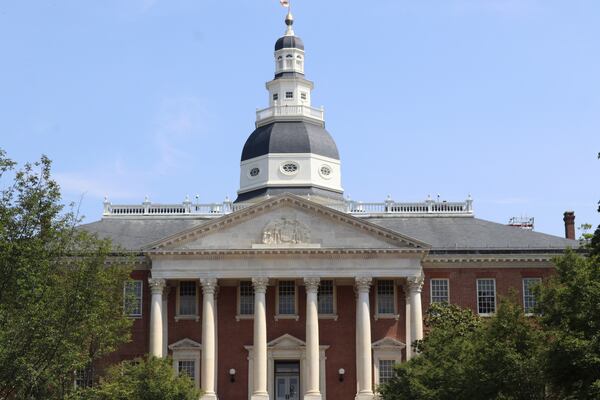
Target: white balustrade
(290, 111)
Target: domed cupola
(290, 150)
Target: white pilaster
(407, 318)
(260, 339)
(313, 391)
(363, 338)
(415, 285)
(156, 317)
(209, 351)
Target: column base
(365, 396)
(260, 396)
(313, 396)
(209, 396)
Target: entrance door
(287, 380)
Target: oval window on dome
(325, 171)
(289, 168)
(254, 172)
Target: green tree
(570, 307)
(465, 357)
(148, 379)
(60, 302)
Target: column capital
(363, 283)
(312, 284)
(209, 285)
(260, 284)
(415, 283)
(157, 285)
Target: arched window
(289, 62)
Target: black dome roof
(289, 42)
(290, 137)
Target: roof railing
(357, 208)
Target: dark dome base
(298, 191)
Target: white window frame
(289, 98)
(334, 315)
(495, 296)
(538, 281)
(286, 316)
(141, 283)
(187, 350)
(392, 315)
(239, 315)
(179, 316)
(431, 288)
(386, 349)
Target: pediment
(388, 343)
(185, 344)
(286, 222)
(286, 341)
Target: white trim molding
(386, 349)
(187, 350)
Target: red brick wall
(339, 335)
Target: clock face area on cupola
(290, 151)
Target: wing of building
(293, 292)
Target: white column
(415, 285)
(363, 337)
(156, 317)
(209, 351)
(407, 318)
(312, 339)
(260, 339)
(165, 321)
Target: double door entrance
(287, 380)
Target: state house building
(293, 292)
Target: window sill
(386, 316)
(287, 316)
(243, 316)
(187, 318)
(328, 316)
(486, 315)
(134, 316)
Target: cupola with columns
(290, 150)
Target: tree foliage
(570, 309)
(60, 304)
(145, 379)
(465, 357)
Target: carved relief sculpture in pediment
(285, 231)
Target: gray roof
(465, 233)
(290, 137)
(289, 42)
(443, 233)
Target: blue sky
(497, 98)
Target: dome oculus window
(254, 172)
(325, 171)
(289, 168)
(289, 95)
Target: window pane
(187, 367)
(439, 291)
(187, 298)
(132, 302)
(385, 297)
(289, 95)
(486, 296)
(246, 298)
(528, 295)
(386, 370)
(325, 297)
(287, 297)
(84, 378)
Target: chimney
(569, 224)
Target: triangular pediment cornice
(388, 343)
(185, 344)
(170, 243)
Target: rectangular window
(528, 295)
(246, 298)
(288, 63)
(275, 96)
(486, 296)
(132, 298)
(187, 298)
(289, 95)
(84, 378)
(187, 367)
(287, 298)
(386, 371)
(303, 95)
(385, 297)
(439, 291)
(325, 297)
